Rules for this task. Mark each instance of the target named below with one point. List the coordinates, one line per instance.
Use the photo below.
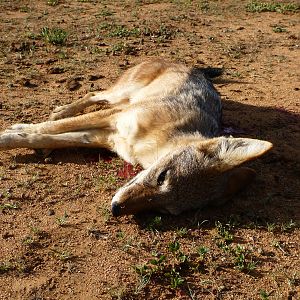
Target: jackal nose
(115, 209)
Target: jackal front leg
(108, 97)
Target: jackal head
(201, 173)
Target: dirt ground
(58, 239)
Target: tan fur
(163, 116)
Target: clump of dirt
(58, 238)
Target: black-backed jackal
(165, 117)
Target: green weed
(255, 6)
(167, 267)
(105, 12)
(52, 2)
(224, 232)
(279, 29)
(8, 206)
(5, 267)
(105, 212)
(181, 232)
(55, 36)
(204, 5)
(63, 220)
(25, 9)
(155, 223)
(289, 226)
(122, 48)
(28, 241)
(121, 31)
(175, 278)
(107, 181)
(242, 259)
(62, 255)
(264, 295)
(271, 227)
(202, 251)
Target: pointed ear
(232, 152)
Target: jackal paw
(18, 127)
(61, 112)
(9, 138)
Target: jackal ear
(235, 151)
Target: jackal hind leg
(88, 130)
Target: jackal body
(165, 117)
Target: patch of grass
(8, 206)
(106, 12)
(160, 33)
(62, 255)
(278, 245)
(279, 29)
(62, 55)
(105, 212)
(166, 268)
(164, 33)
(118, 292)
(181, 232)
(255, 6)
(271, 227)
(122, 31)
(144, 272)
(155, 223)
(202, 251)
(264, 295)
(242, 260)
(289, 226)
(63, 220)
(6, 194)
(55, 36)
(25, 9)
(107, 181)
(122, 48)
(120, 235)
(52, 2)
(5, 267)
(224, 232)
(28, 241)
(204, 5)
(293, 279)
(175, 279)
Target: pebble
(50, 212)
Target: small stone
(12, 167)
(73, 85)
(7, 235)
(50, 212)
(48, 160)
(56, 70)
(95, 77)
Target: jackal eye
(161, 177)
